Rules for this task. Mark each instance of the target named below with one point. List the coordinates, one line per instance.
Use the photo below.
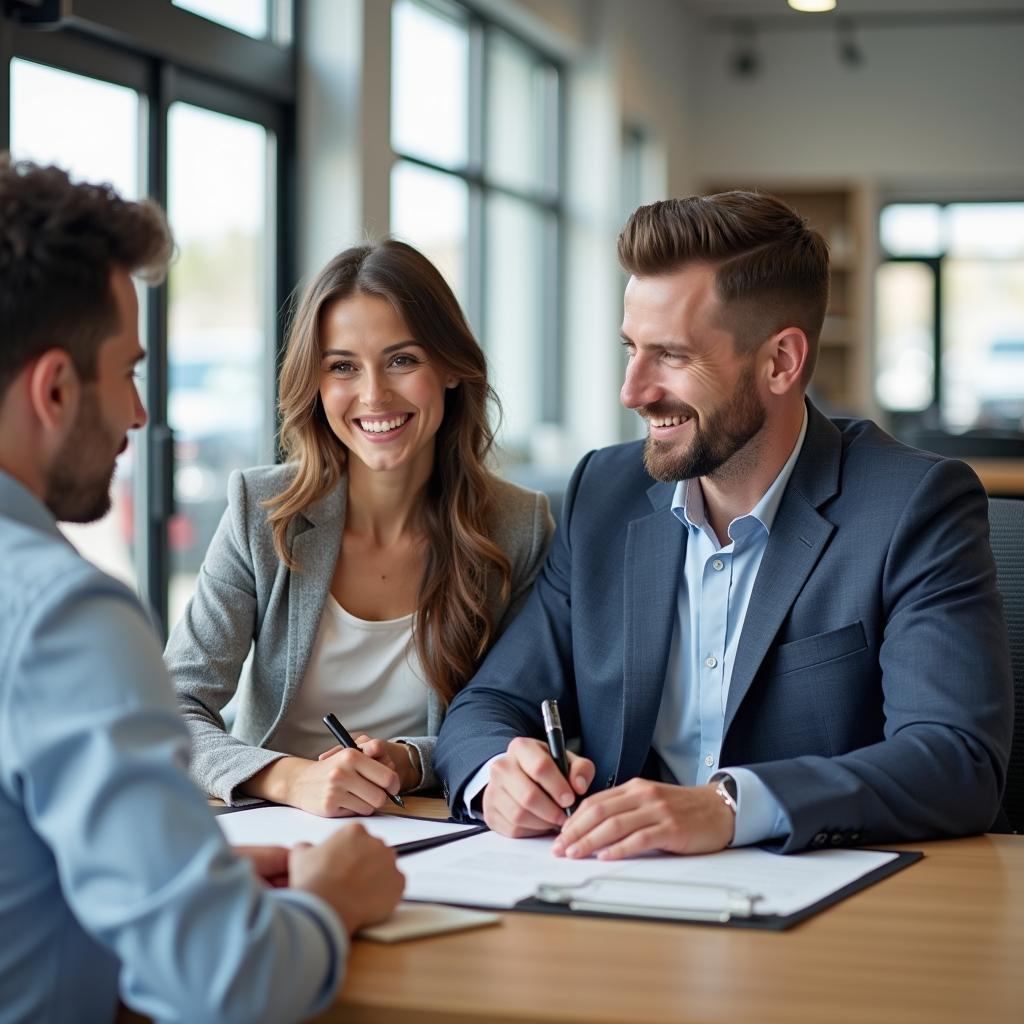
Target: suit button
(820, 840)
(609, 782)
(854, 837)
(837, 839)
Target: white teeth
(672, 421)
(383, 426)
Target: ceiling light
(812, 6)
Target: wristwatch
(726, 789)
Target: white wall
(935, 105)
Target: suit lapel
(315, 546)
(653, 562)
(798, 537)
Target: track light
(745, 61)
(850, 52)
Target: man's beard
(78, 488)
(723, 432)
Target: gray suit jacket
(245, 598)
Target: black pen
(342, 736)
(556, 740)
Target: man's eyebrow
(385, 351)
(136, 357)
(665, 346)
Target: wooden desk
(1000, 476)
(941, 941)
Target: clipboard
(623, 898)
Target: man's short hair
(59, 243)
(771, 269)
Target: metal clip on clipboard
(653, 897)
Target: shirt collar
(688, 499)
(17, 502)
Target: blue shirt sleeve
(100, 757)
(759, 816)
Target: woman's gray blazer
(245, 598)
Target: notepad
(286, 826)
(417, 920)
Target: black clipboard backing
(756, 922)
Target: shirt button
(718, 565)
(711, 661)
(709, 760)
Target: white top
(367, 673)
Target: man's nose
(139, 416)
(638, 386)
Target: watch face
(729, 785)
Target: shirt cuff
(336, 946)
(759, 816)
(476, 786)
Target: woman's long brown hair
(452, 628)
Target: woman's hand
(399, 757)
(346, 783)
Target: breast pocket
(818, 649)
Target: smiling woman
(375, 568)
(382, 394)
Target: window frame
(549, 202)
(932, 413)
(167, 54)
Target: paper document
(286, 826)
(489, 870)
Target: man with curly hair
(114, 872)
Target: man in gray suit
(762, 624)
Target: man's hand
(395, 756)
(640, 816)
(353, 872)
(269, 862)
(527, 794)
(346, 783)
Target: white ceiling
(854, 7)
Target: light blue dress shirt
(714, 593)
(112, 868)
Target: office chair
(1006, 523)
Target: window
(218, 356)
(950, 313)
(476, 186)
(90, 128)
(201, 119)
(252, 17)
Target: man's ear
(789, 351)
(54, 390)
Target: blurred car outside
(216, 408)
